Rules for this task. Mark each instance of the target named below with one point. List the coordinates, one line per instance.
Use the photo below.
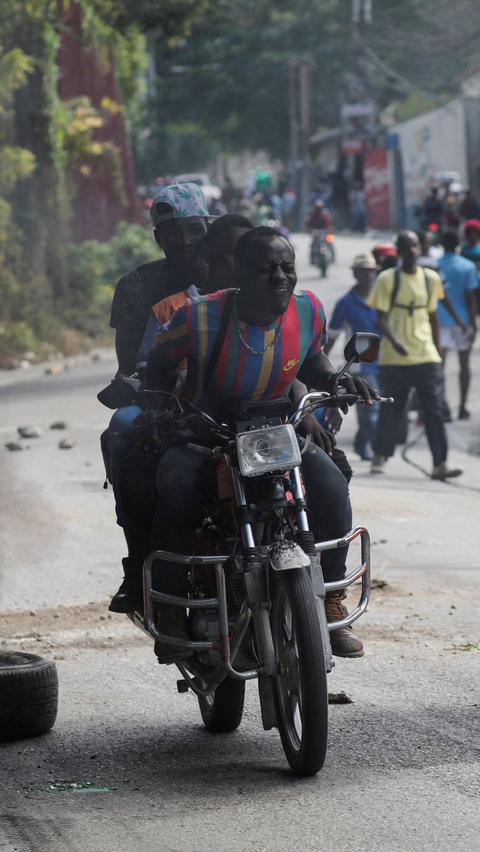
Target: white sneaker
(377, 464)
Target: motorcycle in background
(321, 251)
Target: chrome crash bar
(363, 572)
(227, 646)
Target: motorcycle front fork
(255, 575)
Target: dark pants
(187, 493)
(367, 416)
(397, 382)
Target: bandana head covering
(178, 201)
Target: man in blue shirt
(460, 279)
(352, 314)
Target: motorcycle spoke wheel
(301, 681)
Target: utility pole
(300, 129)
(361, 13)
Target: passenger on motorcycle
(179, 214)
(274, 335)
(221, 238)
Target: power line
(389, 72)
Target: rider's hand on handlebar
(150, 440)
(357, 385)
(332, 419)
(310, 426)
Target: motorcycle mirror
(362, 347)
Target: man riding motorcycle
(272, 335)
(319, 220)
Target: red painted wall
(97, 208)
(376, 176)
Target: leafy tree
(224, 86)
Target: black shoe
(130, 594)
(463, 414)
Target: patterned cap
(185, 200)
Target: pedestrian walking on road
(471, 247)
(406, 303)
(461, 284)
(352, 314)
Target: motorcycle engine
(204, 627)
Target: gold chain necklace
(242, 339)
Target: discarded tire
(28, 695)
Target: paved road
(402, 771)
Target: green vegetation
(224, 86)
(198, 77)
(35, 327)
(49, 289)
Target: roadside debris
(339, 698)
(67, 444)
(29, 431)
(376, 583)
(59, 424)
(80, 787)
(467, 646)
(13, 446)
(52, 370)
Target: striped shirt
(239, 374)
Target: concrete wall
(472, 116)
(433, 142)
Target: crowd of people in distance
(423, 299)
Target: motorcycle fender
(286, 555)
(266, 688)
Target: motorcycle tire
(28, 695)
(301, 693)
(323, 265)
(222, 711)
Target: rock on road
(129, 765)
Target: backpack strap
(220, 338)
(427, 285)
(396, 287)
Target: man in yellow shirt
(406, 303)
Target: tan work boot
(443, 471)
(173, 621)
(344, 642)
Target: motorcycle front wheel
(301, 693)
(222, 710)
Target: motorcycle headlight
(265, 450)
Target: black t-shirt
(137, 292)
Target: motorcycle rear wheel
(301, 693)
(222, 711)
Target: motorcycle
(256, 590)
(321, 251)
